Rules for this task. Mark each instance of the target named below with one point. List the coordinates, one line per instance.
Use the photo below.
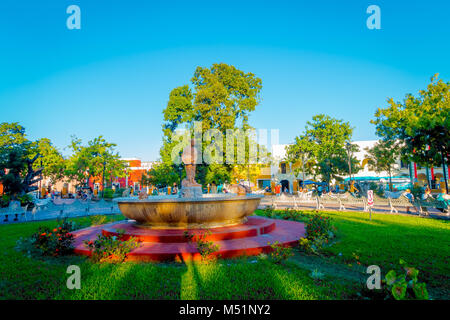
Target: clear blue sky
(113, 77)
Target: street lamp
(103, 179)
(40, 183)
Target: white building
(282, 172)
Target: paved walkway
(78, 209)
(433, 213)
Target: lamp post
(303, 169)
(103, 179)
(348, 146)
(40, 184)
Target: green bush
(417, 192)
(406, 285)
(25, 199)
(108, 193)
(319, 226)
(268, 211)
(119, 192)
(204, 247)
(97, 220)
(319, 232)
(53, 242)
(292, 214)
(4, 201)
(279, 252)
(107, 248)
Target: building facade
(284, 173)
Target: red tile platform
(250, 238)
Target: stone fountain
(191, 208)
(162, 223)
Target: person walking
(444, 198)
(426, 196)
(319, 190)
(408, 195)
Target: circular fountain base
(205, 211)
(250, 238)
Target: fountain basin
(173, 212)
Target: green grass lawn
(423, 243)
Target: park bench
(16, 209)
(399, 202)
(347, 199)
(326, 199)
(423, 205)
(283, 200)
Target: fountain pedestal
(249, 238)
(191, 192)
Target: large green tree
(16, 172)
(162, 174)
(97, 159)
(322, 148)
(382, 157)
(19, 171)
(49, 159)
(420, 123)
(221, 98)
(12, 134)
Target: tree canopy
(322, 148)
(421, 123)
(382, 157)
(221, 98)
(96, 158)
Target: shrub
(119, 192)
(25, 199)
(291, 214)
(4, 201)
(268, 211)
(97, 220)
(107, 248)
(319, 226)
(205, 248)
(108, 193)
(319, 232)
(68, 225)
(406, 286)
(279, 252)
(313, 246)
(53, 242)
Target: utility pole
(303, 169)
(103, 179)
(349, 161)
